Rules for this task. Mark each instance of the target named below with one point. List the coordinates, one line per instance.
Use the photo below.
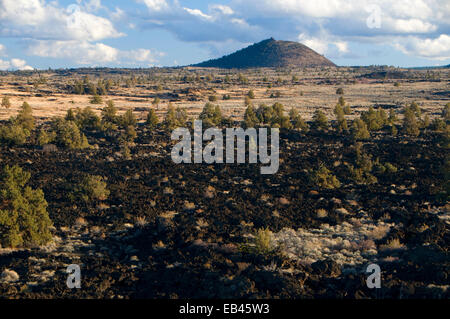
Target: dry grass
(307, 95)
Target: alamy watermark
(213, 152)
(373, 21)
(374, 279)
(74, 276)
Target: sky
(42, 34)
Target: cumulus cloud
(437, 48)
(92, 53)
(317, 44)
(49, 30)
(14, 64)
(37, 19)
(416, 27)
(155, 5)
(217, 24)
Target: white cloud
(341, 46)
(20, 64)
(81, 52)
(413, 26)
(316, 44)
(226, 10)
(40, 20)
(198, 13)
(14, 64)
(117, 14)
(155, 5)
(140, 56)
(437, 48)
(87, 53)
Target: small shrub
(347, 110)
(446, 112)
(92, 187)
(6, 103)
(261, 244)
(323, 178)
(96, 99)
(393, 244)
(156, 101)
(340, 91)
(251, 94)
(438, 125)
(275, 95)
(212, 98)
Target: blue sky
(142, 33)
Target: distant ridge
(270, 53)
(430, 67)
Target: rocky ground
(182, 231)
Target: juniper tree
(297, 120)
(24, 219)
(25, 117)
(410, 123)
(86, 119)
(250, 118)
(109, 112)
(359, 130)
(211, 115)
(152, 119)
(320, 120)
(128, 119)
(264, 113)
(67, 134)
